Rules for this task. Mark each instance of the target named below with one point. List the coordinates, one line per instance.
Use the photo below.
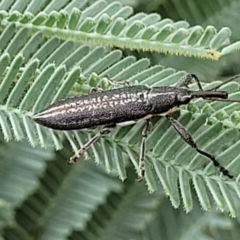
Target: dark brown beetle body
(120, 106)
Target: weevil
(128, 105)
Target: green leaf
(54, 49)
(96, 28)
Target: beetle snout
(224, 94)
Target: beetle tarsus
(142, 171)
(96, 89)
(80, 152)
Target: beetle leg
(182, 131)
(145, 132)
(187, 79)
(116, 83)
(81, 151)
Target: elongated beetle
(127, 105)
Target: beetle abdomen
(97, 108)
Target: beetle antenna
(222, 84)
(225, 82)
(224, 100)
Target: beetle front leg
(182, 131)
(187, 79)
(85, 147)
(145, 132)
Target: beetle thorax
(164, 99)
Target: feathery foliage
(54, 49)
